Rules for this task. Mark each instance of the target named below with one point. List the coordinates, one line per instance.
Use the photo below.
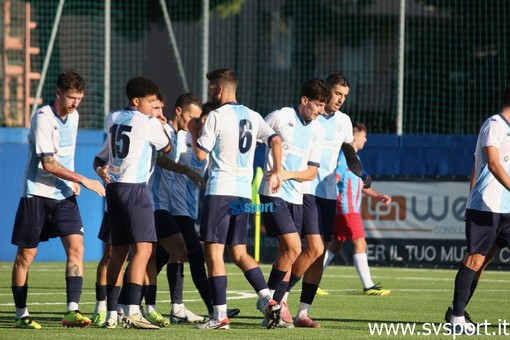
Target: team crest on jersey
(290, 124)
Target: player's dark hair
(206, 108)
(336, 79)
(506, 96)
(161, 97)
(70, 80)
(185, 100)
(314, 89)
(140, 87)
(222, 76)
(358, 127)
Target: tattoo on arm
(51, 165)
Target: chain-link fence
(414, 66)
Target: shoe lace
(377, 286)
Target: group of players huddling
(154, 169)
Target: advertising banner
(422, 227)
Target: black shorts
(327, 216)
(220, 225)
(186, 225)
(104, 232)
(484, 229)
(39, 218)
(286, 219)
(130, 212)
(165, 224)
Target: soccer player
(301, 156)
(48, 207)
(487, 207)
(131, 135)
(229, 136)
(349, 226)
(319, 195)
(187, 107)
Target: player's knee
(24, 259)
(293, 251)
(474, 261)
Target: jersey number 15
(120, 140)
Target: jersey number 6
(245, 136)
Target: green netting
(456, 54)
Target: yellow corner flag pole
(256, 200)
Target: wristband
(97, 169)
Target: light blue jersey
(337, 129)
(488, 194)
(184, 195)
(161, 182)
(300, 148)
(131, 138)
(230, 134)
(50, 135)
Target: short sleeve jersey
(337, 129)
(132, 136)
(488, 194)
(349, 188)
(50, 135)
(230, 134)
(184, 196)
(300, 148)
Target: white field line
(237, 295)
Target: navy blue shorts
(104, 232)
(286, 219)
(220, 225)
(311, 215)
(130, 212)
(39, 218)
(484, 229)
(165, 224)
(327, 216)
(189, 234)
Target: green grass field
(418, 296)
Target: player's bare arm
(168, 164)
(51, 165)
(301, 176)
(101, 169)
(195, 129)
(386, 199)
(495, 166)
(275, 178)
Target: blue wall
(427, 155)
(13, 156)
(419, 155)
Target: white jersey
(337, 129)
(230, 134)
(184, 195)
(487, 193)
(300, 148)
(161, 182)
(131, 138)
(50, 135)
